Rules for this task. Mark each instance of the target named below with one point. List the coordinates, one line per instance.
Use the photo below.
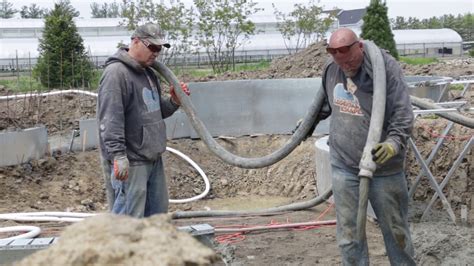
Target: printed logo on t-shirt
(151, 99)
(347, 102)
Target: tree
(376, 27)
(7, 10)
(33, 11)
(177, 22)
(304, 25)
(399, 23)
(138, 12)
(67, 7)
(222, 27)
(174, 18)
(62, 61)
(105, 10)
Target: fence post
(199, 59)
(17, 68)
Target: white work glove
(121, 166)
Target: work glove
(121, 166)
(174, 97)
(382, 152)
(324, 113)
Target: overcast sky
(405, 8)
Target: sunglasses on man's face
(341, 50)
(153, 48)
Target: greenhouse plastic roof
(426, 36)
(39, 23)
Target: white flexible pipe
(201, 172)
(25, 95)
(32, 231)
(46, 216)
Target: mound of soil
(120, 240)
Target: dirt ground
(73, 182)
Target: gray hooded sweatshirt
(130, 111)
(351, 109)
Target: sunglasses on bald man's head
(153, 48)
(341, 50)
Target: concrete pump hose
(285, 208)
(456, 118)
(367, 165)
(188, 107)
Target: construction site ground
(73, 181)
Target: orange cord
(240, 236)
(435, 134)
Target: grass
(418, 60)
(253, 66)
(25, 83)
(22, 84)
(204, 72)
(456, 87)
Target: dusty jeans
(143, 194)
(388, 196)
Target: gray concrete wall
(245, 107)
(21, 146)
(236, 108)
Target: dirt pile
(292, 177)
(445, 67)
(59, 113)
(119, 240)
(307, 63)
(62, 182)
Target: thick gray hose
(188, 107)
(286, 208)
(367, 165)
(456, 118)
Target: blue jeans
(388, 196)
(144, 193)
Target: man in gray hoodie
(132, 133)
(348, 84)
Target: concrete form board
(245, 107)
(14, 250)
(89, 137)
(22, 146)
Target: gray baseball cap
(152, 33)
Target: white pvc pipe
(441, 110)
(25, 95)
(32, 231)
(46, 216)
(201, 172)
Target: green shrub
(471, 52)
